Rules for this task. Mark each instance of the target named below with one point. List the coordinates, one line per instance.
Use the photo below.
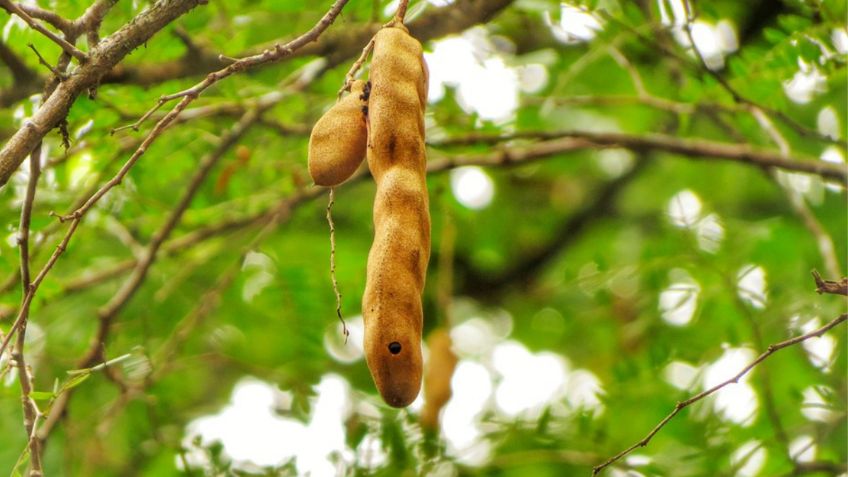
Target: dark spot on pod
(366, 92)
(394, 347)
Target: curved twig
(734, 379)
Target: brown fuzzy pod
(437, 380)
(338, 140)
(397, 262)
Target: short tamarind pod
(337, 143)
(437, 379)
(397, 261)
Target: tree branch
(89, 22)
(567, 141)
(30, 410)
(103, 57)
(57, 21)
(270, 55)
(773, 348)
(68, 48)
(337, 47)
(507, 156)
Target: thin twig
(355, 67)
(823, 240)
(333, 263)
(68, 48)
(107, 54)
(31, 412)
(737, 96)
(164, 355)
(76, 217)
(700, 66)
(57, 21)
(277, 53)
(58, 74)
(735, 379)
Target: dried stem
(333, 263)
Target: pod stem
(333, 263)
(401, 12)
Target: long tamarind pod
(397, 262)
(337, 143)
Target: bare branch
(270, 55)
(31, 413)
(205, 306)
(504, 157)
(57, 21)
(107, 54)
(89, 22)
(58, 74)
(68, 48)
(735, 379)
(695, 148)
(336, 46)
(566, 141)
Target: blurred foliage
(594, 300)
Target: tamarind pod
(391, 306)
(437, 379)
(397, 261)
(338, 140)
